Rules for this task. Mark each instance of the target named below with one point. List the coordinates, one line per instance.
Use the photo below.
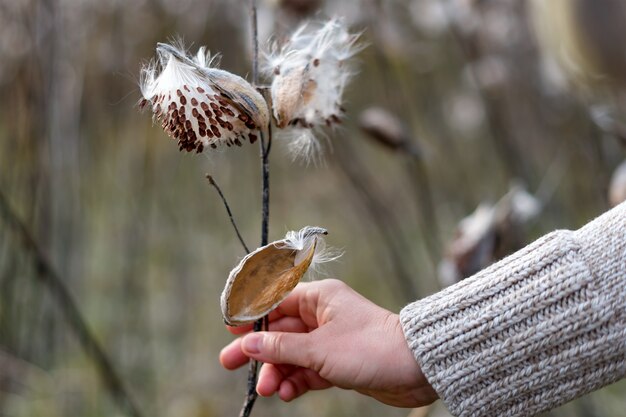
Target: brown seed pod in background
(487, 235)
(387, 130)
(265, 277)
(300, 8)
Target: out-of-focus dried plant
(582, 36)
(300, 8)
(490, 233)
(387, 130)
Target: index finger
(290, 306)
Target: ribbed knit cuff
(530, 332)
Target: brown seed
(183, 100)
(229, 126)
(200, 148)
(213, 145)
(250, 125)
(200, 90)
(143, 103)
(175, 114)
(216, 131)
(218, 113)
(172, 106)
(316, 62)
(252, 137)
(186, 88)
(181, 110)
(154, 98)
(200, 118)
(204, 106)
(194, 102)
(179, 93)
(214, 106)
(243, 118)
(227, 111)
(194, 113)
(237, 142)
(212, 121)
(209, 134)
(202, 132)
(220, 121)
(188, 125)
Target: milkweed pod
(198, 105)
(309, 74)
(265, 277)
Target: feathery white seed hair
(303, 240)
(309, 74)
(199, 105)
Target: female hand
(325, 334)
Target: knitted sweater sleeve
(531, 332)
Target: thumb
(279, 348)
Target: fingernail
(252, 343)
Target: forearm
(537, 329)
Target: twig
(52, 280)
(255, 42)
(265, 146)
(230, 214)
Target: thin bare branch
(69, 310)
(230, 213)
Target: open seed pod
(265, 277)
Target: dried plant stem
(255, 42)
(424, 197)
(265, 147)
(69, 310)
(381, 219)
(230, 214)
(510, 157)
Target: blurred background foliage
(513, 106)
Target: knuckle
(333, 284)
(276, 346)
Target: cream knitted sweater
(531, 332)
